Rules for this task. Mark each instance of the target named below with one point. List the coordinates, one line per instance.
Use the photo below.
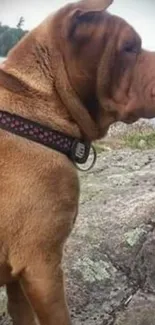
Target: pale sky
(139, 13)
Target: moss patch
(132, 237)
(140, 140)
(94, 271)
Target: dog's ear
(86, 12)
(94, 5)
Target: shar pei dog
(61, 87)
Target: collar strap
(77, 150)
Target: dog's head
(99, 68)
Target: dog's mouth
(128, 118)
(135, 115)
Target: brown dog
(81, 70)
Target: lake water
(2, 59)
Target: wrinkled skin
(79, 71)
(122, 84)
(101, 63)
(120, 74)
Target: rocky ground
(110, 256)
(111, 253)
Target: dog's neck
(16, 98)
(41, 78)
(24, 63)
(32, 89)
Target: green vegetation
(145, 140)
(101, 146)
(21, 22)
(134, 139)
(10, 36)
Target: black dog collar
(77, 150)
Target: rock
(4, 318)
(140, 311)
(119, 129)
(142, 144)
(3, 299)
(110, 253)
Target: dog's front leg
(18, 306)
(43, 285)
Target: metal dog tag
(81, 151)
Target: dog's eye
(129, 47)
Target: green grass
(140, 140)
(99, 147)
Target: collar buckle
(80, 152)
